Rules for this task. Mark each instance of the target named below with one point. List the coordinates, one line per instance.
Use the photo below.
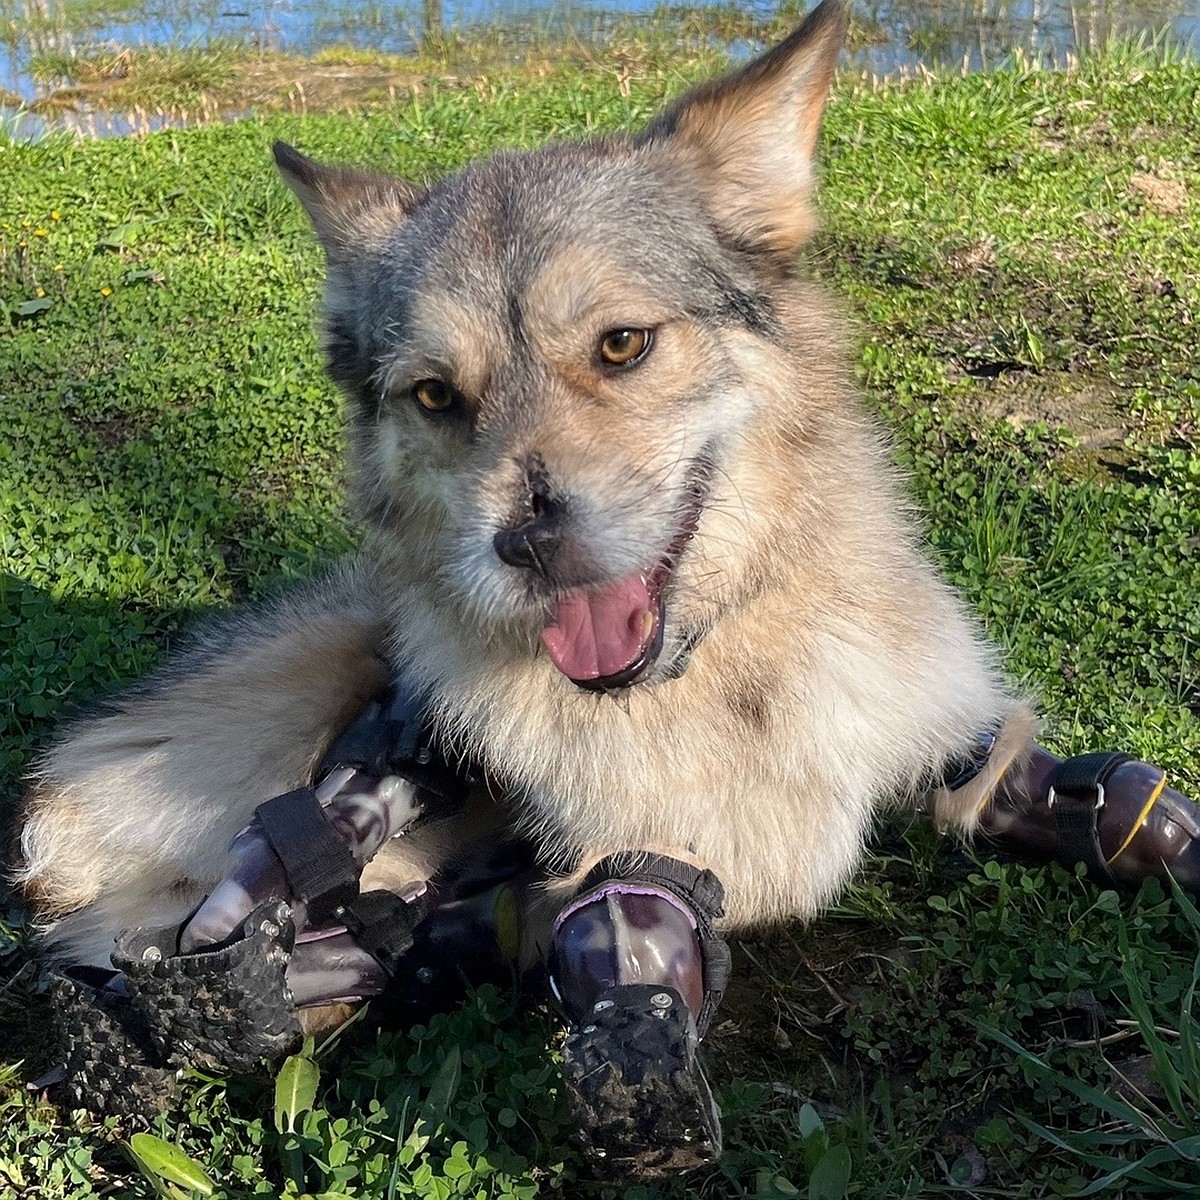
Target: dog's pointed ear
(751, 135)
(351, 211)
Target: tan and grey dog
(602, 434)
(634, 543)
(626, 524)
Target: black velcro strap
(317, 862)
(698, 886)
(1076, 797)
(700, 890)
(382, 923)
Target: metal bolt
(152, 954)
(340, 911)
(601, 1005)
(588, 1029)
(423, 755)
(661, 1000)
(270, 930)
(424, 975)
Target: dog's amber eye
(623, 347)
(434, 396)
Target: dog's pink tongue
(601, 633)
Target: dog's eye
(623, 347)
(435, 395)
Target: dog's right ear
(351, 211)
(750, 136)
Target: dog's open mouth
(610, 637)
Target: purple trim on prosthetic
(619, 887)
(622, 933)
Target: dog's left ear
(751, 135)
(351, 211)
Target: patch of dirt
(298, 85)
(111, 431)
(1090, 409)
(778, 1023)
(270, 84)
(1161, 191)
(978, 258)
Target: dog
(626, 524)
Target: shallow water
(903, 33)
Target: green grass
(163, 75)
(1026, 307)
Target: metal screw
(588, 1029)
(270, 930)
(424, 975)
(423, 755)
(152, 954)
(601, 1005)
(661, 1000)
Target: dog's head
(556, 362)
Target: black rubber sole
(111, 1066)
(223, 1009)
(644, 1107)
(226, 1009)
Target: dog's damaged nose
(533, 543)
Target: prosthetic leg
(639, 970)
(1109, 811)
(287, 930)
(634, 957)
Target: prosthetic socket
(308, 848)
(640, 969)
(641, 919)
(634, 958)
(286, 929)
(1109, 811)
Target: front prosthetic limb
(639, 969)
(288, 928)
(1109, 811)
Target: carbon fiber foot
(644, 1108)
(223, 1009)
(112, 1066)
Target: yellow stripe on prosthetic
(1141, 819)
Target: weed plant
(1019, 253)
